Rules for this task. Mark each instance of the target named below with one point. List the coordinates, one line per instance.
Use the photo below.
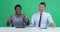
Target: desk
(29, 29)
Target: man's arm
(51, 21)
(9, 21)
(32, 21)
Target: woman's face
(18, 10)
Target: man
(42, 18)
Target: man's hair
(17, 6)
(43, 3)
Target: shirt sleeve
(50, 19)
(32, 21)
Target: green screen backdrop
(29, 7)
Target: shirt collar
(42, 13)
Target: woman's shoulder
(22, 15)
(12, 15)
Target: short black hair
(43, 3)
(18, 6)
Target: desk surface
(29, 29)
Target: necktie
(40, 20)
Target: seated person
(18, 19)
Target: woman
(18, 20)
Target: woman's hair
(17, 6)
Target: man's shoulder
(47, 13)
(35, 14)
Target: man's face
(18, 10)
(41, 8)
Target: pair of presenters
(40, 19)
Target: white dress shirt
(46, 18)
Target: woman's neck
(18, 15)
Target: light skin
(41, 9)
(18, 11)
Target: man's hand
(53, 25)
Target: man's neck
(41, 12)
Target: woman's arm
(9, 21)
(26, 20)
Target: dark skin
(18, 11)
